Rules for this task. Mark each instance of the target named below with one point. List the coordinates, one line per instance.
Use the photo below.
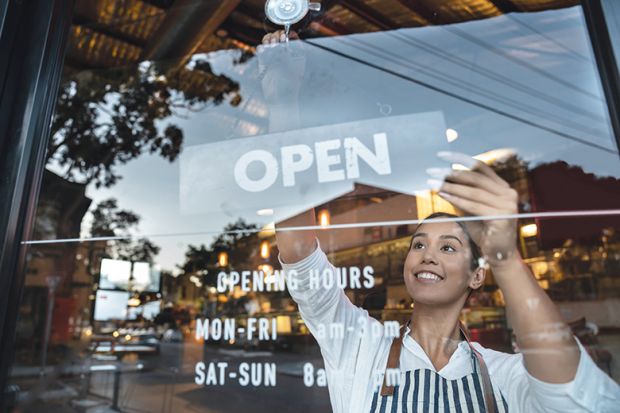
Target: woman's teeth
(428, 276)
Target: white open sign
(326, 155)
(309, 166)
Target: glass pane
(186, 156)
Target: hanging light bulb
(266, 269)
(222, 259)
(451, 135)
(134, 301)
(324, 218)
(529, 230)
(264, 249)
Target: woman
(438, 369)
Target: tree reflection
(104, 119)
(238, 239)
(111, 221)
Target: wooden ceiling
(110, 33)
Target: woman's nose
(429, 256)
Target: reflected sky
(522, 81)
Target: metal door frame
(33, 39)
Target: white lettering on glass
(256, 185)
(216, 329)
(314, 376)
(378, 161)
(257, 374)
(342, 277)
(248, 374)
(298, 158)
(211, 329)
(295, 158)
(324, 161)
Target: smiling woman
(452, 241)
(434, 352)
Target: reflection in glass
(143, 234)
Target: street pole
(117, 389)
(52, 283)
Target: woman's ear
(477, 279)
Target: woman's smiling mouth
(428, 277)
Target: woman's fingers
(279, 36)
(480, 184)
(274, 37)
(292, 35)
(471, 163)
(468, 206)
(481, 196)
(468, 192)
(481, 192)
(476, 179)
(489, 172)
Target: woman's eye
(448, 248)
(418, 245)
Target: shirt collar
(413, 346)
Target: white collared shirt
(354, 360)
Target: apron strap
(487, 388)
(393, 362)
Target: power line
(458, 83)
(495, 76)
(499, 52)
(462, 98)
(576, 55)
(478, 91)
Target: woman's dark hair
(475, 249)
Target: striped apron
(424, 390)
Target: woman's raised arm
(549, 349)
(281, 83)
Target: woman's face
(438, 266)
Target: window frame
(33, 40)
(603, 50)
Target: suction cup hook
(314, 6)
(288, 12)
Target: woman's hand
(278, 37)
(282, 66)
(479, 191)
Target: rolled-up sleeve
(590, 391)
